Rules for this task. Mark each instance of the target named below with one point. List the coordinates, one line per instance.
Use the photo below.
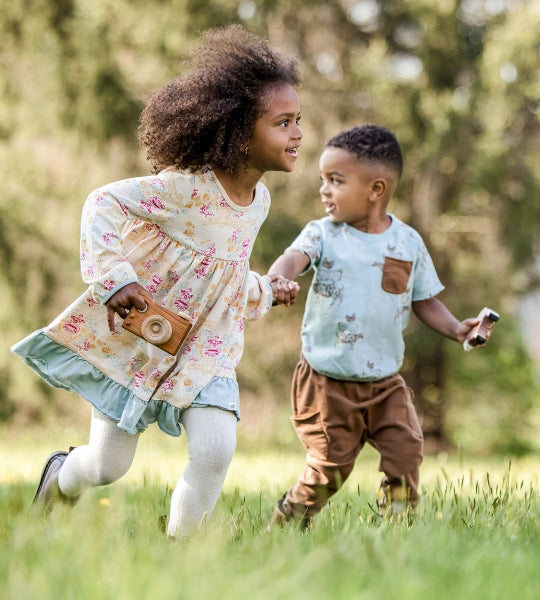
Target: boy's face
(350, 188)
(276, 135)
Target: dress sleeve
(259, 296)
(105, 213)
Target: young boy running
(371, 269)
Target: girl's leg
(106, 458)
(211, 434)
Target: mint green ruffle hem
(62, 368)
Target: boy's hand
(465, 327)
(480, 333)
(479, 329)
(284, 290)
(123, 300)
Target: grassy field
(475, 535)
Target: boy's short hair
(372, 143)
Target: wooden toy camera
(159, 326)
(478, 335)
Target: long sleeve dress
(179, 236)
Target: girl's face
(276, 135)
(348, 187)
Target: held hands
(120, 303)
(284, 290)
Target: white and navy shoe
(48, 492)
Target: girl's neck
(239, 188)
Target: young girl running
(184, 236)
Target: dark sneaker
(283, 514)
(48, 492)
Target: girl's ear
(378, 189)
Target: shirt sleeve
(426, 281)
(309, 241)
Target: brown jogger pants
(334, 419)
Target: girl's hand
(284, 290)
(120, 303)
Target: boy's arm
(290, 265)
(284, 271)
(436, 316)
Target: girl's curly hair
(371, 143)
(205, 117)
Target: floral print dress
(179, 236)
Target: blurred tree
(456, 80)
(461, 92)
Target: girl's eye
(287, 122)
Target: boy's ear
(378, 188)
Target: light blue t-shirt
(360, 298)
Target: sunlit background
(457, 81)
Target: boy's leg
(311, 492)
(395, 432)
(329, 422)
(211, 434)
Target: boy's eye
(331, 180)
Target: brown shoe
(48, 492)
(283, 514)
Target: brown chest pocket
(395, 275)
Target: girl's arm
(105, 214)
(104, 265)
(436, 316)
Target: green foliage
(502, 391)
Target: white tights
(211, 436)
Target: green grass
(476, 534)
